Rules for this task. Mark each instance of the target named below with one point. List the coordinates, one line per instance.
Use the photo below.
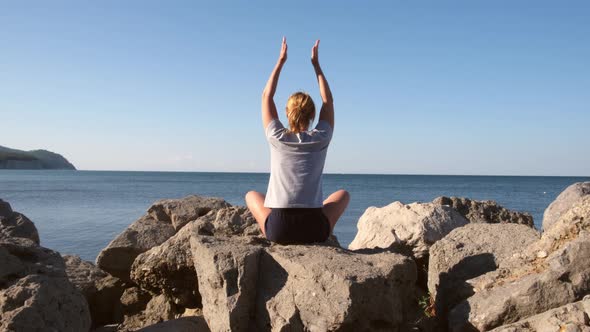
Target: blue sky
(421, 87)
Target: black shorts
(297, 225)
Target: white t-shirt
(296, 165)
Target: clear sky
(420, 87)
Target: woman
(293, 210)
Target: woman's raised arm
(269, 109)
(327, 111)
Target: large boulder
(468, 252)
(488, 212)
(5, 209)
(564, 202)
(84, 275)
(35, 293)
(16, 224)
(102, 291)
(184, 324)
(163, 220)
(228, 273)
(180, 211)
(169, 268)
(416, 225)
(142, 235)
(550, 273)
(570, 317)
(321, 288)
(158, 309)
(106, 306)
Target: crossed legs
(333, 208)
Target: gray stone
(488, 212)
(468, 252)
(142, 235)
(102, 291)
(134, 300)
(526, 284)
(570, 317)
(416, 225)
(564, 202)
(35, 293)
(184, 324)
(157, 310)
(107, 328)
(321, 288)
(164, 219)
(5, 209)
(18, 225)
(106, 307)
(84, 275)
(38, 302)
(179, 212)
(228, 272)
(169, 268)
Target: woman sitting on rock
(293, 210)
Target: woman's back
(296, 167)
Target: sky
(420, 87)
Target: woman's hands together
(314, 52)
(283, 54)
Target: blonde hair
(300, 111)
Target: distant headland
(35, 159)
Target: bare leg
(335, 205)
(255, 202)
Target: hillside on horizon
(34, 159)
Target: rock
(158, 309)
(180, 211)
(15, 224)
(228, 272)
(142, 235)
(233, 221)
(416, 225)
(564, 202)
(571, 317)
(35, 293)
(107, 328)
(169, 267)
(488, 212)
(320, 288)
(106, 306)
(134, 300)
(468, 252)
(5, 209)
(184, 324)
(526, 285)
(102, 291)
(83, 275)
(38, 302)
(163, 220)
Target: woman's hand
(314, 53)
(283, 54)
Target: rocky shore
(200, 264)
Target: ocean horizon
(80, 212)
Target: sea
(80, 212)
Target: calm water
(80, 212)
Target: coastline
(80, 212)
(199, 261)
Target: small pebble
(541, 254)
